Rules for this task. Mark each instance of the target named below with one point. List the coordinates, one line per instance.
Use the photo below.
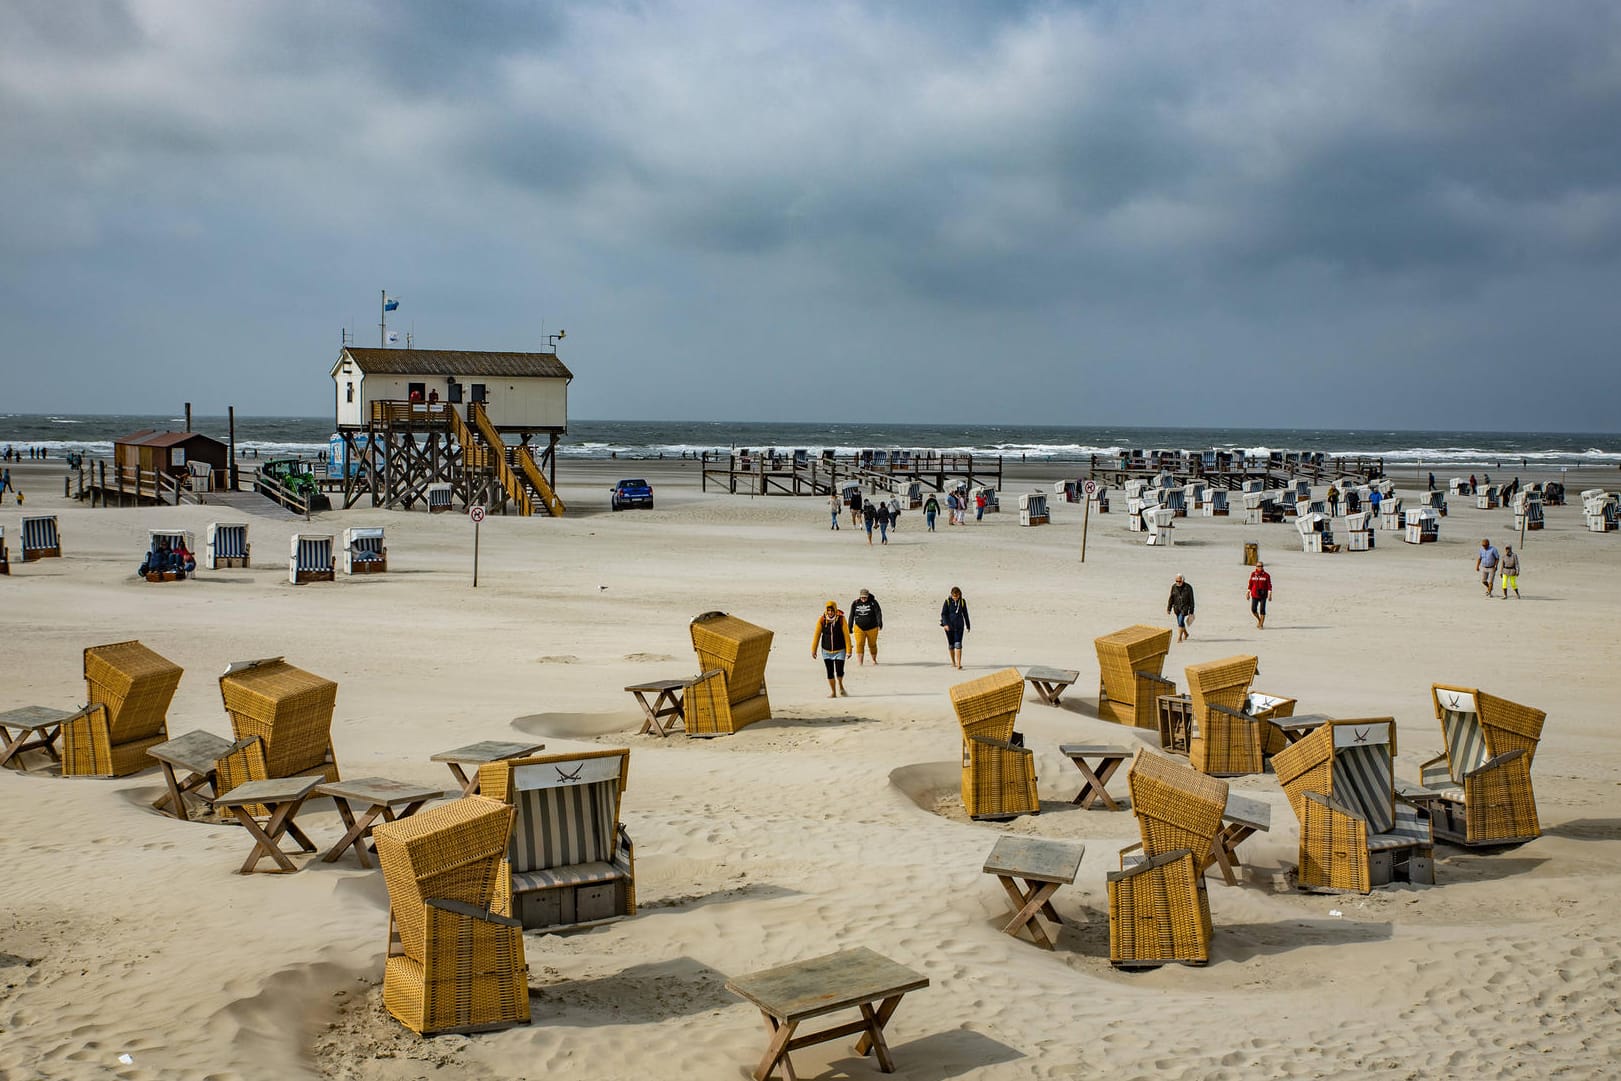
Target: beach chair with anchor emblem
(1481, 783)
(227, 545)
(998, 771)
(730, 692)
(570, 862)
(129, 687)
(453, 964)
(1129, 682)
(40, 538)
(1355, 831)
(1159, 910)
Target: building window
(478, 392)
(348, 392)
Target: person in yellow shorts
(866, 620)
(1510, 571)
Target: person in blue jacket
(954, 618)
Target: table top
(1035, 859)
(663, 684)
(274, 790)
(1248, 812)
(197, 750)
(1413, 790)
(1053, 675)
(36, 716)
(1303, 721)
(488, 751)
(379, 791)
(821, 985)
(1069, 750)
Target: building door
(417, 392)
(453, 392)
(478, 392)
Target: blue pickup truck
(632, 493)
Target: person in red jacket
(1260, 588)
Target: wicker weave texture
(989, 705)
(1333, 847)
(448, 851)
(1221, 683)
(1499, 805)
(133, 686)
(1306, 766)
(1159, 912)
(736, 647)
(998, 780)
(1121, 656)
(1228, 744)
(1176, 807)
(287, 707)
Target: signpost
(476, 513)
(1091, 489)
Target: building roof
(459, 362)
(149, 437)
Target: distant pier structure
(799, 472)
(1231, 469)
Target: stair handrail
(498, 447)
(531, 470)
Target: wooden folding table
(198, 753)
(38, 728)
(1094, 781)
(380, 796)
(1050, 683)
(1243, 817)
(666, 703)
(477, 754)
(282, 797)
(794, 993)
(1043, 866)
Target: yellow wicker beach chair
(1159, 910)
(129, 688)
(453, 965)
(998, 772)
(287, 712)
(1482, 780)
(1129, 665)
(570, 862)
(1228, 742)
(731, 692)
(1355, 832)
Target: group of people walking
(1490, 563)
(1181, 602)
(870, 512)
(838, 635)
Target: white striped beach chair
(227, 545)
(569, 862)
(440, 497)
(1479, 787)
(310, 558)
(40, 538)
(364, 550)
(1355, 831)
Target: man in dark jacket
(1181, 603)
(866, 620)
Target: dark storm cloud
(1383, 184)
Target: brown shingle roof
(461, 362)
(150, 437)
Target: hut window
(349, 392)
(478, 392)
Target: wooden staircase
(515, 469)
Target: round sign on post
(1091, 487)
(476, 514)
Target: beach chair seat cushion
(579, 874)
(1411, 827)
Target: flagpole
(382, 319)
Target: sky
(1369, 214)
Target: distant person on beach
(931, 510)
(833, 504)
(869, 517)
(832, 642)
(979, 506)
(1333, 501)
(855, 508)
(1180, 604)
(954, 618)
(1374, 497)
(885, 517)
(1486, 561)
(1511, 571)
(1259, 589)
(1472, 484)
(866, 620)
(1432, 481)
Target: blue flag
(390, 304)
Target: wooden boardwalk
(801, 473)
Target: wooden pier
(798, 472)
(1232, 469)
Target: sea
(276, 437)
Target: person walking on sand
(931, 510)
(833, 504)
(954, 618)
(884, 520)
(866, 620)
(979, 505)
(1486, 561)
(869, 518)
(1181, 604)
(855, 508)
(1511, 571)
(1259, 588)
(832, 641)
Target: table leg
(1027, 906)
(356, 834)
(298, 836)
(777, 1050)
(875, 1036)
(650, 720)
(469, 787)
(12, 748)
(886, 1010)
(1092, 784)
(175, 798)
(264, 843)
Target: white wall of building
(512, 402)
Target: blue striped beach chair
(5, 556)
(41, 539)
(1355, 831)
(227, 545)
(569, 861)
(311, 558)
(364, 550)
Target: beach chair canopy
(287, 708)
(736, 647)
(1483, 775)
(129, 688)
(998, 776)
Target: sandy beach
(837, 823)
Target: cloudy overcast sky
(1368, 214)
